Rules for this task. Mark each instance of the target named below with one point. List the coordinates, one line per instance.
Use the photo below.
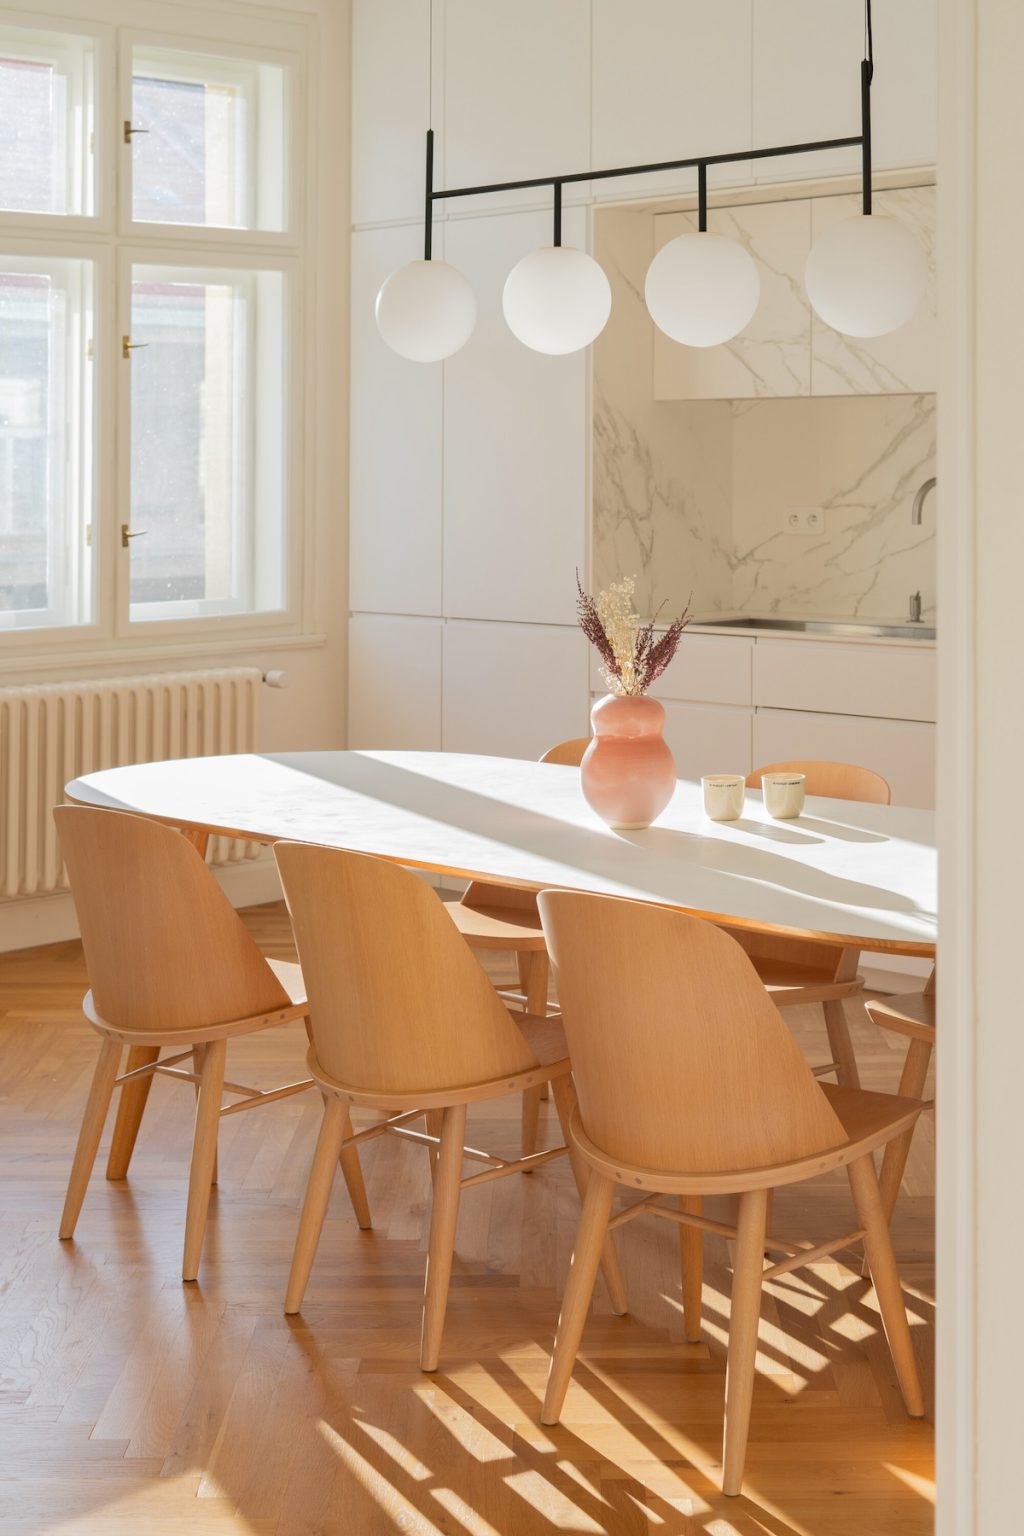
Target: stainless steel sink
(852, 627)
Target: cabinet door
(688, 63)
(394, 683)
(390, 87)
(708, 738)
(516, 444)
(395, 454)
(902, 751)
(891, 681)
(513, 690)
(772, 356)
(905, 361)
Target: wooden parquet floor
(131, 1405)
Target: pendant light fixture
(865, 276)
(702, 289)
(557, 299)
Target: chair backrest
(832, 781)
(164, 948)
(479, 893)
(682, 1062)
(398, 1002)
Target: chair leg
(691, 1263)
(894, 1160)
(591, 1241)
(565, 1103)
(318, 1193)
(435, 1125)
(131, 1105)
(534, 968)
(840, 1044)
(96, 1107)
(352, 1172)
(444, 1216)
(198, 1057)
(204, 1153)
(886, 1280)
(744, 1313)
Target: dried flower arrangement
(633, 658)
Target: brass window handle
(128, 347)
(126, 534)
(129, 131)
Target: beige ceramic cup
(783, 793)
(723, 795)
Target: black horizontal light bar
(659, 165)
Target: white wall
(981, 547)
(470, 502)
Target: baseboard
(51, 919)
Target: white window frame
(76, 581)
(113, 242)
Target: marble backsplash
(691, 496)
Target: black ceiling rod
(428, 211)
(557, 186)
(867, 70)
(702, 197)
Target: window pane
(46, 122)
(46, 454)
(208, 141)
(207, 484)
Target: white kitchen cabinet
(688, 64)
(516, 445)
(706, 669)
(395, 448)
(806, 83)
(772, 356)
(902, 751)
(892, 682)
(905, 361)
(513, 690)
(517, 97)
(394, 683)
(390, 63)
(708, 738)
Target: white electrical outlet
(803, 520)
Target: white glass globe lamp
(866, 276)
(556, 300)
(426, 311)
(702, 289)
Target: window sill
(126, 654)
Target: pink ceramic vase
(628, 774)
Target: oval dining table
(855, 875)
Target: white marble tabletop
(864, 875)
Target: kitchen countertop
(697, 627)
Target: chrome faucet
(922, 492)
(915, 608)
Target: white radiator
(57, 731)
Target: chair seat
(867, 1117)
(498, 927)
(912, 1014)
(789, 984)
(289, 974)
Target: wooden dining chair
(403, 1015)
(499, 917)
(802, 972)
(170, 963)
(691, 1085)
(912, 1014)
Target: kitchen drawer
(706, 669)
(887, 681)
(708, 738)
(902, 751)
